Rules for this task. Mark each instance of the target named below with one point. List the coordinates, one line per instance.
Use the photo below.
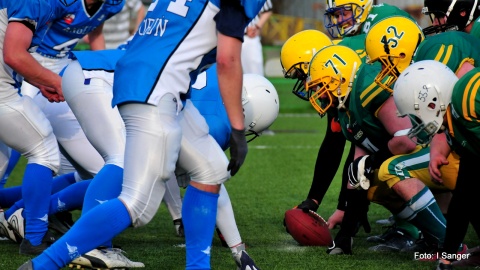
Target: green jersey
(464, 127)
(382, 11)
(356, 43)
(366, 99)
(475, 31)
(452, 48)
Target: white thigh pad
(200, 155)
(29, 132)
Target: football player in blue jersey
(23, 26)
(149, 96)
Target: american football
(308, 229)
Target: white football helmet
(260, 104)
(423, 92)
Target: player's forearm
(230, 77)
(24, 64)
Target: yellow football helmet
(296, 54)
(331, 75)
(344, 17)
(392, 41)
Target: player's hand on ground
(238, 150)
(308, 204)
(335, 219)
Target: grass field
(276, 176)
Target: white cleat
(5, 230)
(101, 259)
(243, 260)
(17, 224)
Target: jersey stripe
(444, 55)
(372, 91)
(468, 101)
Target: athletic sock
(69, 198)
(106, 185)
(199, 212)
(407, 227)
(91, 230)
(423, 211)
(58, 183)
(36, 189)
(226, 219)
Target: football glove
(238, 150)
(307, 205)
(360, 172)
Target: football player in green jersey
(331, 78)
(443, 110)
(351, 17)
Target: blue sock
(69, 198)
(62, 181)
(58, 183)
(91, 230)
(12, 162)
(106, 185)
(36, 190)
(8, 196)
(199, 212)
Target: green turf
(275, 177)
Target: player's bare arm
(439, 151)
(229, 69)
(399, 144)
(15, 52)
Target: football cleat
(27, 248)
(17, 223)
(243, 260)
(5, 230)
(58, 224)
(394, 241)
(104, 258)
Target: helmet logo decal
(393, 41)
(330, 63)
(423, 94)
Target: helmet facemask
(297, 71)
(339, 24)
(457, 13)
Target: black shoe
(395, 241)
(27, 248)
(421, 245)
(381, 238)
(60, 222)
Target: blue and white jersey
(173, 42)
(205, 95)
(35, 14)
(99, 64)
(73, 25)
